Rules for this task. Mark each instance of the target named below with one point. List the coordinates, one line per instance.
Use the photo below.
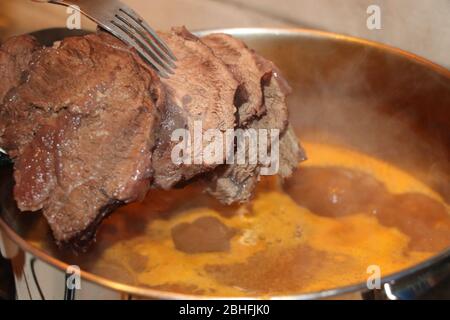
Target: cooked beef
(244, 65)
(202, 89)
(96, 108)
(236, 183)
(15, 55)
(291, 153)
(89, 126)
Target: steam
(378, 103)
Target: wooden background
(419, 26)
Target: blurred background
(419, 26)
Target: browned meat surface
(291, 153)
(96, 108)
(89, 125)
(15, 55)
(236, 183)
(244, 65)
(202, 89)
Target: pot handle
(8, 249)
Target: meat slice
(202, 90)
(96, 107)
(15, 56)
(236, 183)
(243, 63)
(89, 125)
(291, 153)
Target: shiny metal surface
(127, 25)
(327, 71)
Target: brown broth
(340, 213)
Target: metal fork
(128, 26)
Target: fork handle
(67, 3)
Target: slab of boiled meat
(235, 183)
(243, 65)
(202, 89)
(15, 56)
(94, 108)
(89, 125)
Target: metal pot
(322, 68)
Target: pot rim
(329, 293)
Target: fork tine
(132, 14)
(120, 31)
(138, 38)
(160, 54)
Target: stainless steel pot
(327, 71)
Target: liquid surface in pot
(342, 213)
